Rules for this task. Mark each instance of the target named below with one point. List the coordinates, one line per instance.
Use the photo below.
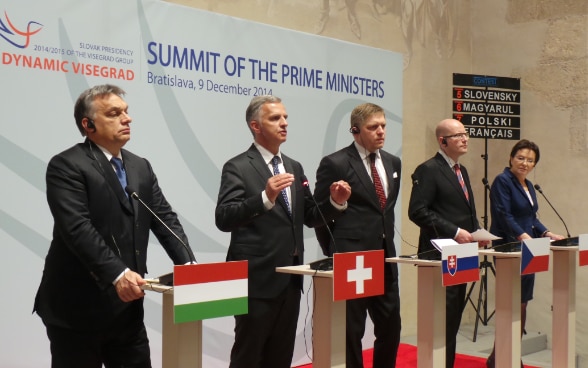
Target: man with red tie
(367, 224)
(442, 205)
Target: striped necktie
(377, 182)
(275, 163)
(461, 182)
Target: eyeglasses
(459, 136)
(521, 159)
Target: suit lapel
(290, 169)
(132, 180)
(103, 166)
(262, 169)
(390, 170)
(451, 177)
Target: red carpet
(407, 358)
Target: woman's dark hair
(525, 144)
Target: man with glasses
(442, 205)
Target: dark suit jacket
(438, 205)
(266, 239)
(97, 233)
(364, 226)
(512, 213)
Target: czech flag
(358, 274)
(535, 256)
(583, 249)
(210, 290)
(460, 264)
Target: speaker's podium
(453, 267)
(328, 318)
(353, 275)
(199, 291)
(508, 306)
(181, 343)
(430, 311)
(564, 298)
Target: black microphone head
(484, 181)
(131, 192)
(537, 187)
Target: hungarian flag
(358, 274)
(210, 290)
(583, 249)
(460, 264)
(535, 256)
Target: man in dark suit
(442, 205)
(90, 297)
(368, 224)
(263, 203)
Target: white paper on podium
(440, 243)
(483, 234)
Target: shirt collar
(448, 159)
(266, 154)
(364, 153)
(107, 152)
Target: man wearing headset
(90, 298)
(367, 224)
(442, 205)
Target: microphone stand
(481, 307)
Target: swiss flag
(358, 274)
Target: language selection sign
(489, 107)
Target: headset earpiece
(354, 130)
(444, 141)
(90, 124)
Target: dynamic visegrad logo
(17, 37)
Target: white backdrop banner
(189, 76)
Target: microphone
(325, 264)
(437, 255)
(415, 182)
(538, 188)
(133, 194)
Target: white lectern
(564, 306)
(431, 312)
(181, 343)
(507, 340)
(328, 319)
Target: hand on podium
(128, 287)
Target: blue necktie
(275, 162)
(120, 173)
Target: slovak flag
(535, 256)
(583, 249)
(460, 263)
(358, 274)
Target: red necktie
(461, 182)
(377, 181)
